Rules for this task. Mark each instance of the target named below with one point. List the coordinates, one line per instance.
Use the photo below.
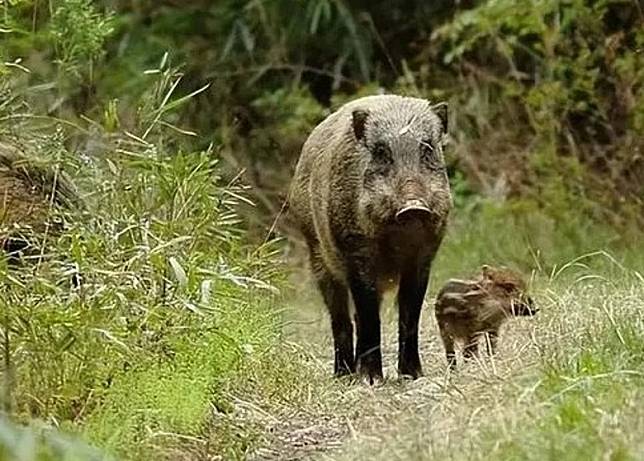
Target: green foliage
(292, 112)
(42, 444)
(539, 90)
(521, 234)
(164, 399)
(564, 55)
(72, 31)
(556, 67)
(280, 119)
(79, 32)
(274, 30)
(172, 299)
(175, 306)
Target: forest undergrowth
(164, 313)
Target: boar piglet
(467, 310)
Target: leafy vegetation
(150, 298)
(153, 324)
(545, 95)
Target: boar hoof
(343, 369)
(410, 372)
(370, 373)
(371, 380)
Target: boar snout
(412, 206)
(413, 209)
(525, 307)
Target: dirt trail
(348, 420)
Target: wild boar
(31, 195)
(371, 196)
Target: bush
(561, 83)
(151, 295)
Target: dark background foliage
(546, 96)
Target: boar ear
(440, 110)
(359, 121)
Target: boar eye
(429, 154)
(382, 153)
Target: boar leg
(471, 347)
(367, 302)
(336, 298)
(411, 293)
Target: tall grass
(149, 302)
(519, 233)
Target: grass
(521, 234)
(177, 347)
(589, 384)
(161, 402)
(173, 305)
(236, 381)
(567, 386)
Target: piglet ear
(486, 271)
(359, 122)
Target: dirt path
(565, 385)
(341, 419)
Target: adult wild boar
(33, 201)
(371, 196)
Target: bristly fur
(371, 196)
(38, 177)
(27, 192)
(466, 310)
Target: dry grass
(565, 385)
(515, 406)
